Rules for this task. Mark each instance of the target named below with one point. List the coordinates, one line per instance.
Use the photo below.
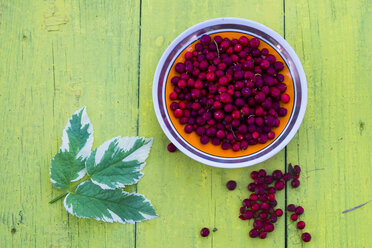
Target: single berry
(261, 173)
(231, 185)
(257, 224)
(279, 185)
(297, 170)
(253, 233)
(271, 190)
(247, 203)
(291, 207)
(277, 174)
(294, 217)
(271, 197)
(248, 214)
(254, 175)
(295, 183)
(286, 177)
(204, 232)
(263, 215)
(306, 237)
(299, 210)
(251, 187)
(171, 147)
(301, 225)
(255, 207)
(264, 206)
(273, 218)
(269, 227)
(263, 235)
(253, 197)
(279, 212)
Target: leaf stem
(69, 190)
(58, 197)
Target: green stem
(58, 197)
(69, 190)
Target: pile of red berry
(261, 204)
(229, 92)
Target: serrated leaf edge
(115, 217)
(85, 152)
(101, 151)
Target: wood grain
(333, 40)
(56, 56)
(49, 68)
(188, 195)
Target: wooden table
(58, 56)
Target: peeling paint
(53, 19)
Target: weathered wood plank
(55, 58)
(189, 195)
(333, 39)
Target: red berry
(178, 113)
(271, 197)
(231, 185)
(262, 173)
(295, 183)
(279, 212)
(279, 185)
(294, 217)
(269, 228)
(265, 206)
(253, 197)
(257, 224)
(263, 235)
(286, 177)
(271, 190)
(273, 218)
(297, 170)
(247, 203)
(248, 214)
(254, 175)
(171, 147)
(301, 225)
(255, 207)
(204, 232)
(306, 237)
(277, 174)
(285, 98)
(299, 210)
(291, 207)
(263, 215)
(253, 233)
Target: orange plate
(193, 139)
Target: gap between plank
(138, 96)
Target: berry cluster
(261, 204)
(229, 92)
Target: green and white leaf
(68, 165)
(91, 201)
(118, 162)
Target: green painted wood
(55, 58)
(186, 194)
(333, 40)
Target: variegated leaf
(68, 165)
(118, 162)
(91, 201)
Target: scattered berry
(231, 185)
(306, 237)
(263, 235)
(301, 225)
(204, 232)
(291, 207)
(295, 183)
(299, 210)
(294, 217)
(297, 170)
(279, 212)
(253, 233)
(171, 147)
